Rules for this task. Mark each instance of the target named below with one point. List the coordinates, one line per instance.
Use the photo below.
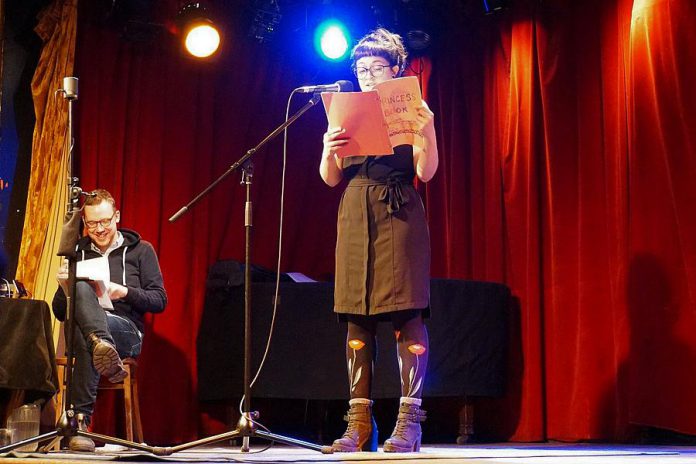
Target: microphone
(338, 86)
(69, 89)
(178, 214)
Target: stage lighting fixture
(414, 20)
(266, 18)
(133, 18)
(494, 6)
(332, 40)
(418, 40)
(199, 33)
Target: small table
(27, 355)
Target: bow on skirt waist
(393, 195)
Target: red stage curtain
(567, 150)
(661, 276)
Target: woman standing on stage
(382, 256)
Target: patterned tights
(412, 351)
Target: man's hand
(116, 291)
(62, 275)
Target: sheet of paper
(96, 271)
(299, 277)
(400, 98)
(360, 114)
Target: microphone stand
(246, 427)
(67, 424)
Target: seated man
(103, 337)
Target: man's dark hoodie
(142, 276)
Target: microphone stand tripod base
(67, 428)
(246, 428)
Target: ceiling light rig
(494, 6)
(266, 17)
(413, 19)
(133, 18)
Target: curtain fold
(661, 282)
(46, 283)
(46, 199)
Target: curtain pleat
(47, 183)
(661, 276)
(46, 283)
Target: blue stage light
(332, 40)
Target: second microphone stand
(67, 426)
(246, 427)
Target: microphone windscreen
(345, 86)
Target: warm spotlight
(202, 40)
(199, 33)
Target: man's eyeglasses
(376, 70)
(91, 225)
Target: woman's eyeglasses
(376, 70)
(91, 225)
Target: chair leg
(128, 405)
(138, 425)
(61, 392)
(60, 399)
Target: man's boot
(78, 443)
(361, 433)
(106, 359)
(406, 436)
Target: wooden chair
(129, 387)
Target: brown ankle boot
(79, 443)
(361, 434)
(406, 436)
(106, 360)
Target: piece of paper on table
(96, 271)
(299, 277)
(360, 114)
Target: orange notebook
(378, 120)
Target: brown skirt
(382, 257)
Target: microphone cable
(280, 254)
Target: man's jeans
(117, 330)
